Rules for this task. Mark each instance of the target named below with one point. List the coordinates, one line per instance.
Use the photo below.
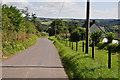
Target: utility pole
(55, 27)
(87, 25)
(119, 19)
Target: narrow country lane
(39, 61)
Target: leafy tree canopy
(75, 36)
(110, 36)
(96, 36)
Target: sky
(69, 9)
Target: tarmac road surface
(39, 61)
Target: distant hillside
(107, 23)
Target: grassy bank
(11, 48)
(82, 66)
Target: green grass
(101, 56)
(11, 48)
(81, 65)
(66, 20)
(46, 23)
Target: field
(46, 23)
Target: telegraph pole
(87, 25)
(55, 27)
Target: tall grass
(11, 48)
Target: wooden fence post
(109, 57)
(69, 44)
(72, 45)
(66, 42)
(93, 50)
(76, 46)
(83, 46)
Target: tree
(110, 36)
(75, 37)
(58, 26)
(71, 28)
(25, 11)
(39, 27)
(96, 37)
(51, 32)
(33, 19)
(30, 28)
(82, 32)
(65, 31)
(13, 21)
(14, 25)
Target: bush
(119, 40)
(112, 47)
(96, 36)
(110, 36)
(118, 48)
(44, 34)
(75, 36)
(102, 45)
(41, 34)
(10, 48)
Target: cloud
(106, 14)
(6, 1)
(70, 9)
(17, 3)
(62, 0)
(74, 10)
(46, 10)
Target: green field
(46, 23)
(81, 65)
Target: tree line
(17, 27)
(76, 33)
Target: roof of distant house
(94, 22)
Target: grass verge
(11, 48)
(81, 66)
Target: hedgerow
(82, 66)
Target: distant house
(95, 27)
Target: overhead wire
(60, 9)
(59, 15)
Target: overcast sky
(75, 9)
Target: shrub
(101, 45)
(10, 48)
(118, 48)
(75, 36)
(38, 34)
(112, 47)
(110, 36)
(44, 34)
(96, 36)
